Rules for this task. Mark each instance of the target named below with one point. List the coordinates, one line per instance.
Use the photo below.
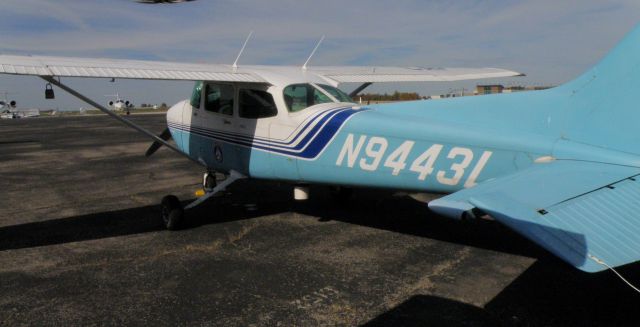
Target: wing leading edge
(577, 210)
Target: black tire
(172, 212)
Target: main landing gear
(172, 211)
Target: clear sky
(552, 41)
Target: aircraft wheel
(172, 212)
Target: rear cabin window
(219, 99)
(256, 104)
(196, 95)
(301, 96)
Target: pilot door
(212, 124)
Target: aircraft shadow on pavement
(548, 293)
(544, 295)
(123, 222)
(370, 208)
(382, 210)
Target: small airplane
(6, 111)
(559, 166)
(6, 107)
(119, 104)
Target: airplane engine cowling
(13, 104)
(110, 103)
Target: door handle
(226, 122)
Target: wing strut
(116, 116)
(359, 89)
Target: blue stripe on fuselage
(309, 147)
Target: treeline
(395, 96)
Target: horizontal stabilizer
(577, 210)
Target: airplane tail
(602, 105)
(583, 208)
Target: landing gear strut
(209, 181)
(172, 211)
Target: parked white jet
(119, 104)
(7, 108)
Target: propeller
(165, 135)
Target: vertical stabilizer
(603, 105)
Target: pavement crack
(425, 283)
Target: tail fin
(603, 106)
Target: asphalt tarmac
(81, 243)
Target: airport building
(498, 88)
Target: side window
(219, 99)
(300, 96)
(195, 96)
(256, 104)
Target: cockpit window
(219, 99)
(336, 93)
(195, 96)
(301, 96)
(256, 104)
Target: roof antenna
(304, 67)
(235, 63)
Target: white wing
(115, 68)
(159, 70)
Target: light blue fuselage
(474, 125)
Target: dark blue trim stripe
(282, 142)
(309, 147)
(312, 133)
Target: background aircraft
(7, 107)
(119, 104)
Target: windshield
(336, 93)
(195, 96)
(301, 96)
